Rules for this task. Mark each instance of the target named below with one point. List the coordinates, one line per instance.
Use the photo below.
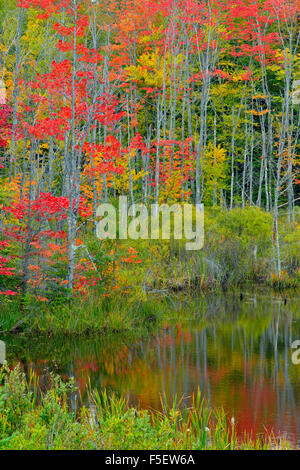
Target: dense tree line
(163, 101)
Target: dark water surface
(237, 351)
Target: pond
(235, 348)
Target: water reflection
(237, 351)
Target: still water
(235, 349)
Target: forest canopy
(161, 101)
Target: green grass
(34, 420)
(125, 314)
(85, 316)
(238, 248)
(238, 251)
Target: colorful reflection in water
(237, 351)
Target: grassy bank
(88, 316)
(238, 252)
(238, 249)
(32, 419)
(130, 317)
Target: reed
(32, 418)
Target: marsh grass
(238, 252)
(85, 316)
(33, 419)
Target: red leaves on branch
(5, 124)
(47, 207)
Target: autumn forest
(165, 102)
